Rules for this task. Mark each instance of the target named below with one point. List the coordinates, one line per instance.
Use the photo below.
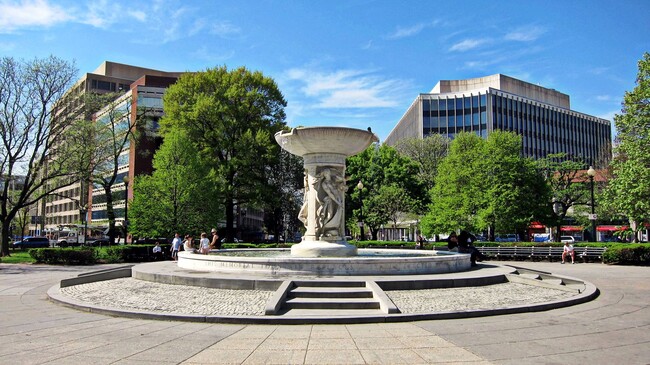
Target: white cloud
(347, 88)
(225, 29)
(30, 13)
(609, 115)
(105, 14)
(468, 44)
(403, 32)
(138, 15)
(525, 34)
(603, 97)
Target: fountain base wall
(431, 262)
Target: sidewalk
(614, 328)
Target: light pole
(83, 211)
(360, 187)
(126, 180)
(592, 173)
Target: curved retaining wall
(431, 262)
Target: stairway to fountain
(336, 298)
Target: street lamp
(83, 210)
(591, 172)
(360, 187)
(126, 180)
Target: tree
(33, 135)
(232, 117)
(107, 141)
(628, 191)
(286, 177)
(485, 185)
(178, 196)
(567, 181)
(513, 193)
(376, 167)
(454, 197)
(427, 152)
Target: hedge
(64, 256)
(134, 253)
(627, 254)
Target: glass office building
(541, 116)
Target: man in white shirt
(568, 250)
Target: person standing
(215, 243)
(176, 245)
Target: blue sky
(350, 63)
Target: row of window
(450, 116)
(101, 214)
(108, 85)
(548, 130)
(63, 219)
(544, 129)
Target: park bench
(586, 254)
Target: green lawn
(17, 257)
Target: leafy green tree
(231, 116)
(485, 185)
(392, 201)
(427, 152)
(178, 196)
(32, 135)
(376, 167)
(454, 197)
(567, 180)
(281, 208)
(629, 189)
(512, 191)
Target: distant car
(510, 237)
(569, 239)
(100, 242)
(32, 242)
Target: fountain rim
(426, 256)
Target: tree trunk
(230, 219)
(110, 214)
(5, 237)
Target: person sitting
(188, 245)
(568, 250)
(420, 244)
(157, 252)
(452, 242)
(465, 245)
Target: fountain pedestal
(324, 150)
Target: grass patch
(18, 257)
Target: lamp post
(126, 180)
(592, 173)
(360, 187)
(83, 211)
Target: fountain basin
(369, 262)
(326, 140)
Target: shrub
(67, 256)
(627, 254)
(133, 253)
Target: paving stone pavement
(614, 328)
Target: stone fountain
(324, 250)
(324, 150)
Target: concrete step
(330, 283)
(330, 292)
(306, 313)
(331, 303)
